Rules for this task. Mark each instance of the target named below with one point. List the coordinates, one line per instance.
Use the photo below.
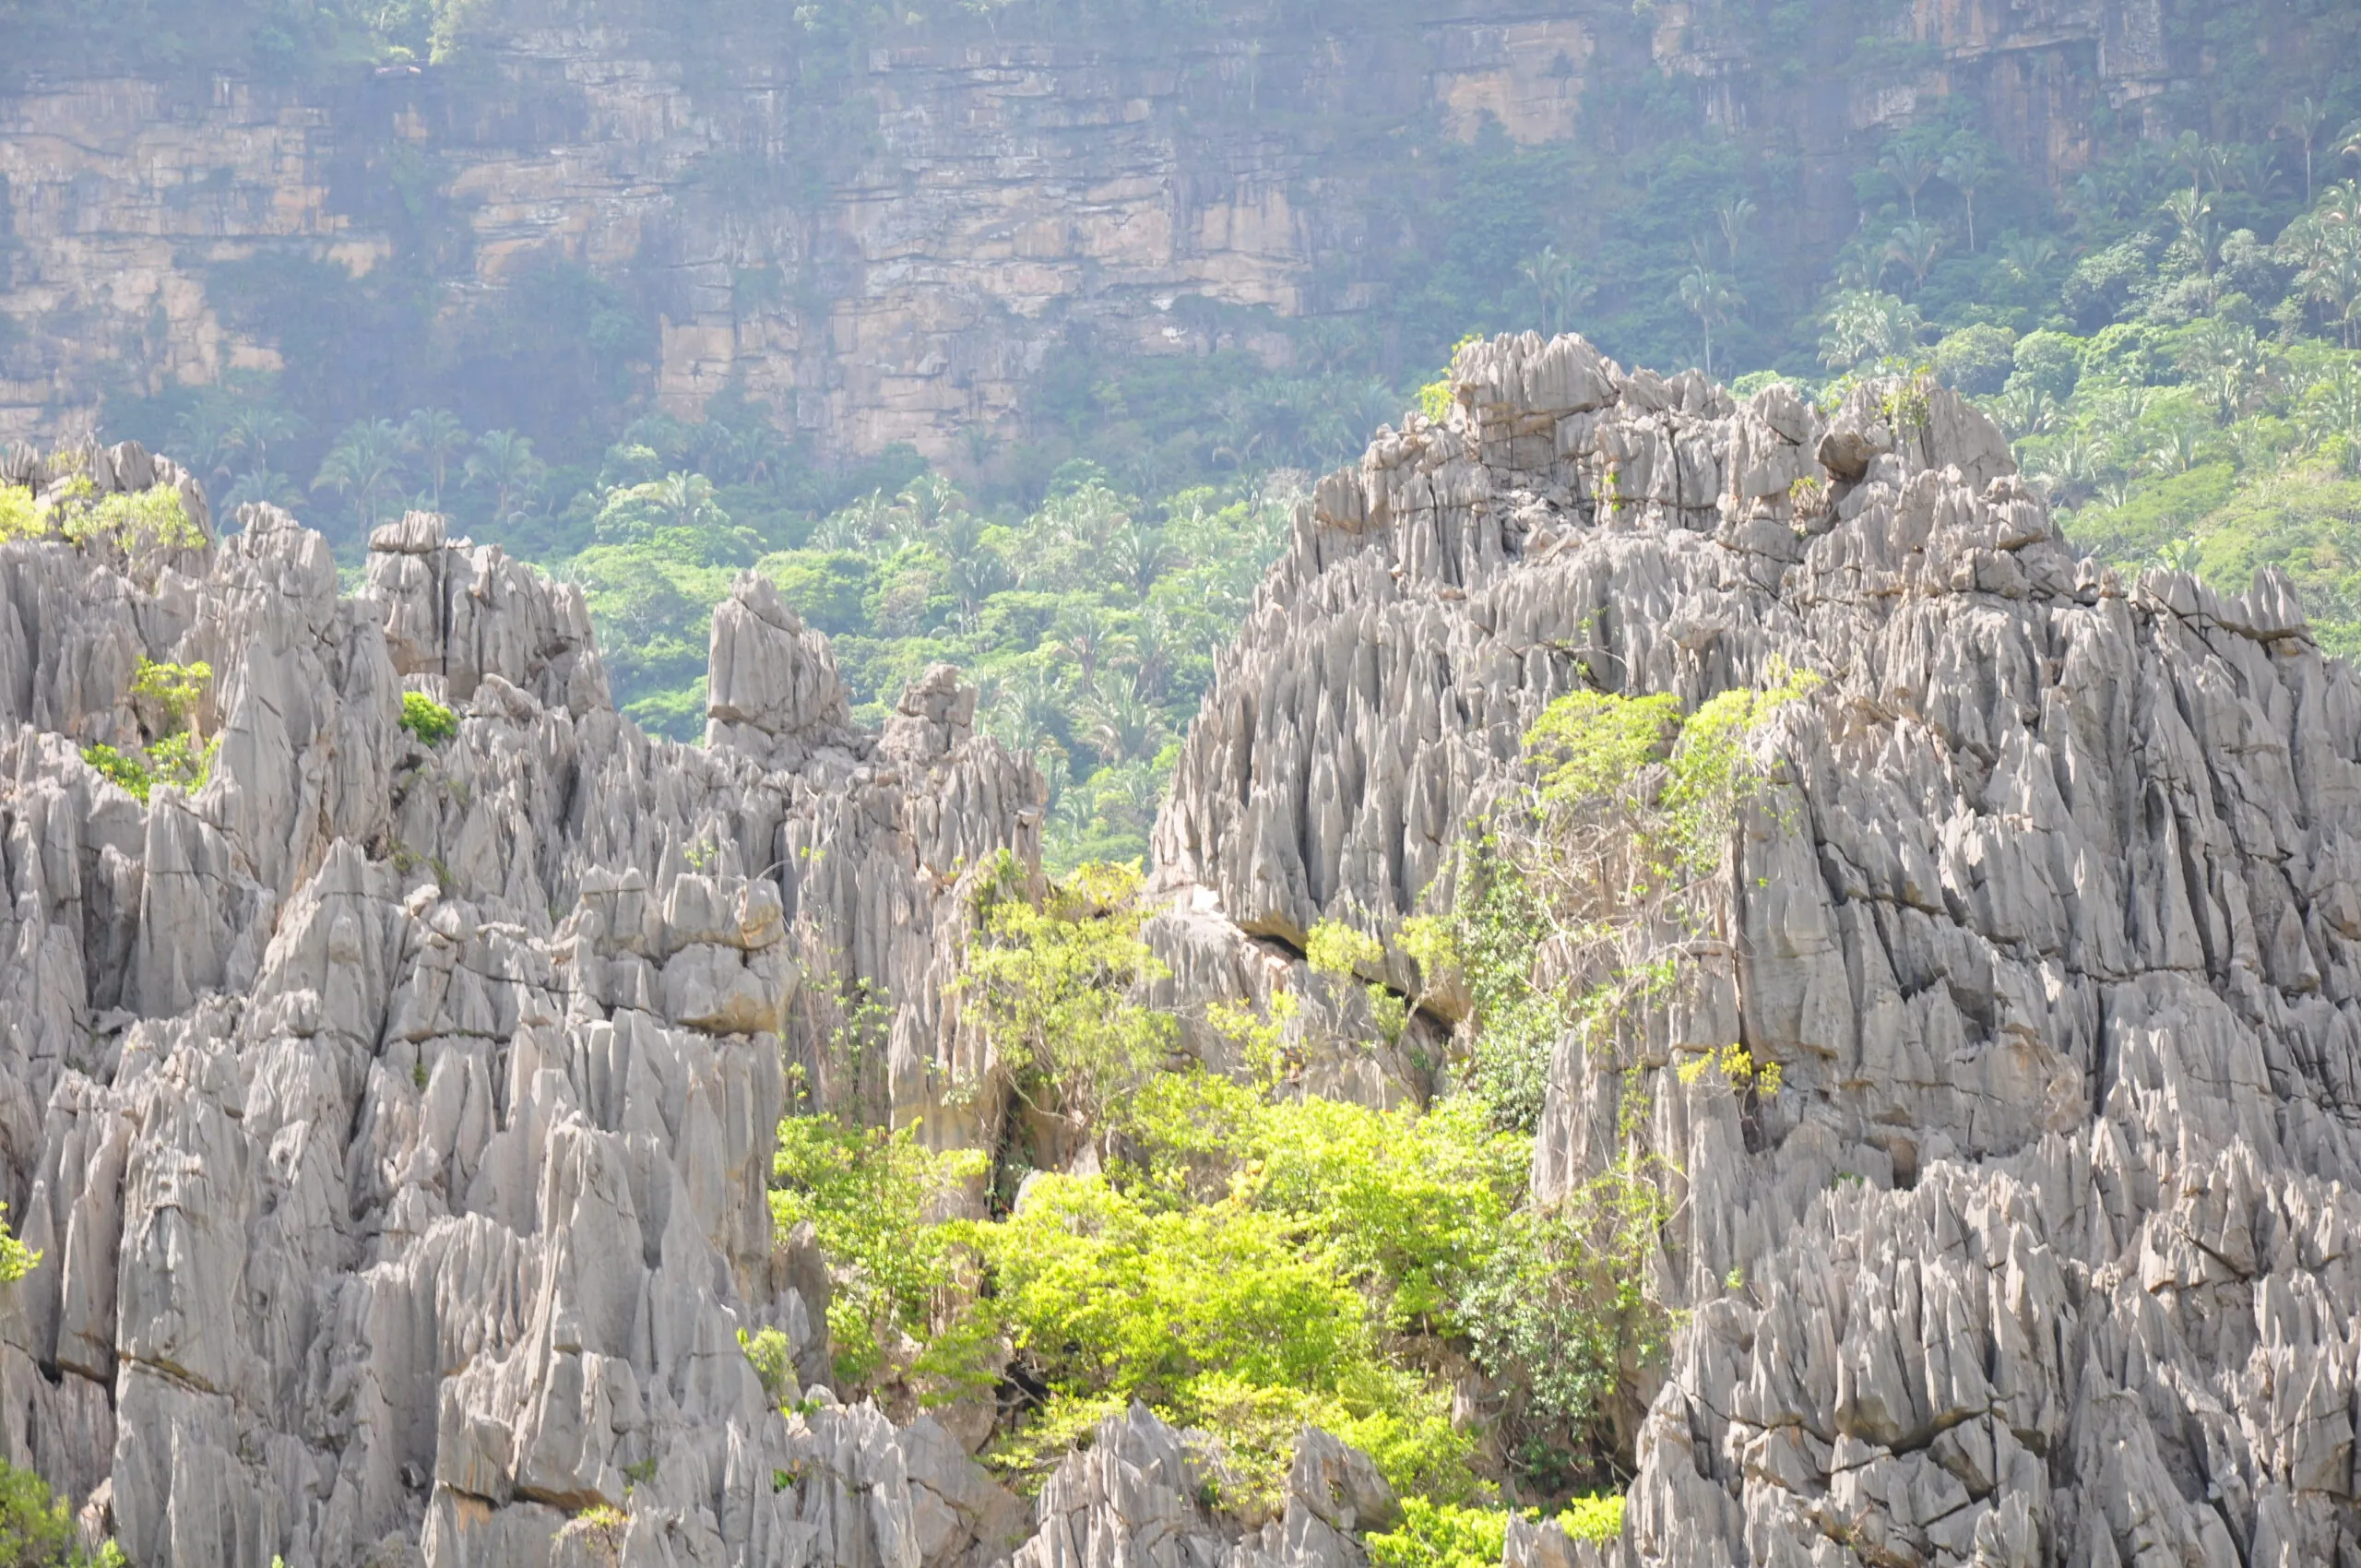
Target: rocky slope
(394, 1118)
(890, 257)
(2040, 1254)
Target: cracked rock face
(394, 1122)
(2042, 1253)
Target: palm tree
(2026, 257)
(2028, 411)
(1558, 289)
(252, 430)
(1864, 327)
(1136, 555)
(1911, 167)
(1735, 217)
(1969, 165)
(260, 485)
(436, 438)
(1916, 246)
(1088, 635)
(1711, 300)
(364, 466)
(924, 502)
(2334, 410)
(1123, 726)
(2192, 214)
(504, 463)
(2177, 455)
(973, 569)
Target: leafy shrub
(1434, 1534)
(1441, 1536)
(1220, 1315)
(1559, 1317)
(36, 1530)
(429, 721)
(137, 523)
(1976, 360)
(771, 1356)
(1054, 985)
(179, 760)
(870, 1196)
(17, 1260)
(126, 770)
(176, 689)
(1596, 1518)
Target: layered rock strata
(395, 1120)
(2039, 1253)
(889, 248)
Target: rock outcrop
(892, 250)
(395, 1120)
(2039, 1253)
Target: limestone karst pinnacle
(394, 1119)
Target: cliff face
(890, 254)
(2039, 1253)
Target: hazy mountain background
(1006, 331)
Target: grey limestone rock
(2039, 1253)
(394, 1122)
(1140, 1497)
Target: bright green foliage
(769, 1352)
(427, 720)
(1053, 984)
(136, 524)
(1406, 1203)
(1596, 1518)
(1441, 1534)
(170, 693)
(1593, 745)
(870, 1196)
(128, 771)
(175, 689)
(179, 760)
(1228, 1315)
(21, 517)
(17, 1260)
(36, 1530)
(1340, 951)
(1335, 948)
(1434, 1534)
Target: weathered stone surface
(2038, 1255)
(396, 1121)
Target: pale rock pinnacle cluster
(395, 1119)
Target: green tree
(437, 439)
(364, 467)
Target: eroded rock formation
(2040, 1253)
(395, 1120)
